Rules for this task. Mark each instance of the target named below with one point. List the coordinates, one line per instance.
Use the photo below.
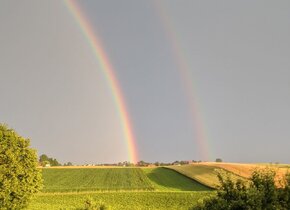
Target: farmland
(91, 179)
(120, 188)
(205, 174)
(245, 170)
(173, 187)
(115, 179)
(120, 200)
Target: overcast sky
(237, 55)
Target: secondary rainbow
(187, 80)
(108, 72)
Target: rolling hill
(115, 179)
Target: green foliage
(44, 160)
(68, 164)
(19, 176)
(261, 193)
(120, 200)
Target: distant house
(176, 163)
(47, 165)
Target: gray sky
(237, 52)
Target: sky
(201, 79)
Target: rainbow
(108, 72)
(187, 81)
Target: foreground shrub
(19, 176)
(260, 193)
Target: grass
(165, 179)
(120, 200)
(91, 179)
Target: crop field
(205, 174)
(164, 179)
(120, 200)
(119, 188)
(108, 179)
(92, 179)
(245, 170)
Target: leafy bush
(260, 193)
(19, 176)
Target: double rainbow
(186, 78)
(108, 71)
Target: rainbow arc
(109, 73)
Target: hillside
(245, 170)
(115, 179)
(205, 174)
(91, 179)
(164, 179)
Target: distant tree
(157, 163)
(176, 162)
(218, 160)
(68, 164)
(165, 164)
(43, 159)
(129, 164)
(54, 162)
(19, 176)
(142, 163)
(184, 162)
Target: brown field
(245, 169)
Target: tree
(157, 163)
(68, 164)
(54, 162)
(218, 160)
(142, 163)
(44, 159)
(19, 176)
(261, 193)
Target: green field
(164, 179)
(94, 179)
(108, 179)
(120, 200)
(120, 188)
